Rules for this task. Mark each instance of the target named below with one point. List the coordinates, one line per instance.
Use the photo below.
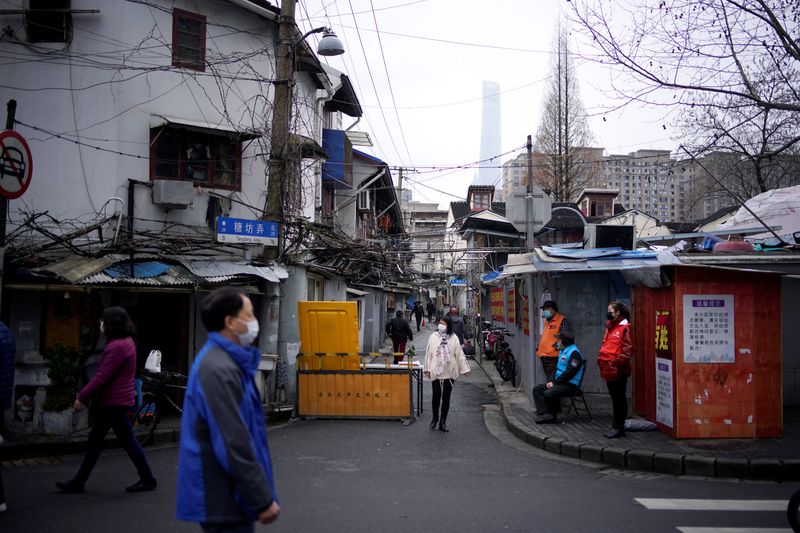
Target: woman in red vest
(615, 363)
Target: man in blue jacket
(566, 380)
(224, 468)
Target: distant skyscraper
(489, 171)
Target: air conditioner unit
(173, 194)
(609, 236)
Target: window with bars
(206, 159)
(188, 40)
(47, 22)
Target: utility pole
(529, 198)
(11, 115)
(281, 116)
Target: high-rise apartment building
(426, 224)
(646, 181)
(651, 181)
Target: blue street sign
(242, 230)
(458, 282)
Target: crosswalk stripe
(712, 505)
(733, 530)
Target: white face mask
(246, 339)
(442, 328)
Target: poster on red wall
(663, 340)
(708, 328)
(512, 305)
(496, 302)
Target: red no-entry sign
(16, 164)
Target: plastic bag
(638, 424)
(153, 363)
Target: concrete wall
(583, 299)
(790, 318)
(72, 181)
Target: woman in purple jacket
(112, 389)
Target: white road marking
(734, 530)
(712, 505)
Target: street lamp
(329, 45)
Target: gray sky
(428, 113)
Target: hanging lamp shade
(330, 44)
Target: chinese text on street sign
(708, 328)
(242, 230)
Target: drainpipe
(131, 185)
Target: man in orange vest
(554, 324)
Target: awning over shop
(494, 274)
(75, 267)
(150, 273)
(159, 121)
(115, 269)
(356, 292)
(549, 259)
(215, 271)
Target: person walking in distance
(399, 331)
(444, 363)
(459, 328)
(614, 361)
(225, 478)
(431, 309)
(419, 312)
(8, 349)
(112, 388)
(554, 323)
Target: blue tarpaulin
(490, 276)
(145, 269)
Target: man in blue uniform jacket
(224, 468)
(566, 380)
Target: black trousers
(619, 400)
(549, 365)
(419, 320)
(441, 393)
(549, 400)
(116, 418)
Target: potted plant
(64, 371)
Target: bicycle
(505, 362)
(157, 393)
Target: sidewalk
(652, 451)
(33, 447)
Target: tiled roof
(718, 214)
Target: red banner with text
(497, 305)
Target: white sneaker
(3, 507)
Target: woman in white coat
(444, 363)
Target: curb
(71, 445)
(649, 461)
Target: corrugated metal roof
(145, 269)
(75, 267)
(174, 276)
(215, 271)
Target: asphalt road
(382, 477)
